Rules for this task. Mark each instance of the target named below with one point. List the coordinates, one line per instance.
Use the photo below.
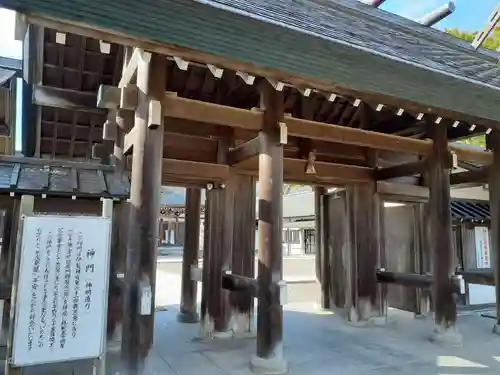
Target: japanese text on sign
(63, 281)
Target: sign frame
(106, 270)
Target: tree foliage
(493, 43)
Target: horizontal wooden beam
(466, 178)
(412, 280)
(402, 192)
(244, 151)
(47, 96)
(194, 110)
(327, 173)
(190, 169)
(210, 113)
(478, 276)
(401, 170)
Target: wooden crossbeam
(131, 68)
(209, 113)
(469, 177)
(244, 151)
(401, 170)
(294, 170)
(403, 191)
(183, 168)
(63, 98)
(193, 110)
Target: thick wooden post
(494, 189)
(216, 260)
(187, 313)
(445, 310)
(269, 358)
(243, 255)
(142, 244)
(322, 253)
(364, 215)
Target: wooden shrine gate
(197, 104)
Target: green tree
(493, 43)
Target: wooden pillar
(354, 226)
(243, 254)
(144, 196)
(322, 253)
(364, 217)
(269, 357)
(187, 313)
(216, 260)
(445, 311)
(494, 190)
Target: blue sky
(469, 14)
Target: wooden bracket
(278, 86)
(217, 72)
(108, 97)
(129, 97)
(311, 158)
(283, 133)
(155, 117)
(247, 78)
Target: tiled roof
(470, 210)
(344, 44)
(38, 176)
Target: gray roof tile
(39, 176)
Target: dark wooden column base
(188, 317)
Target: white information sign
(62, 290)
(482, 247)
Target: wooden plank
(244, 151)
(187, 312)
(193, 110)
(493, 142)
(477, 176)
(210, 171)
(66, 99)
(402, 170)
(445, 310)
(402, 191)
(270, 272)
(294, 169)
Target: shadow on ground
(320, 343)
